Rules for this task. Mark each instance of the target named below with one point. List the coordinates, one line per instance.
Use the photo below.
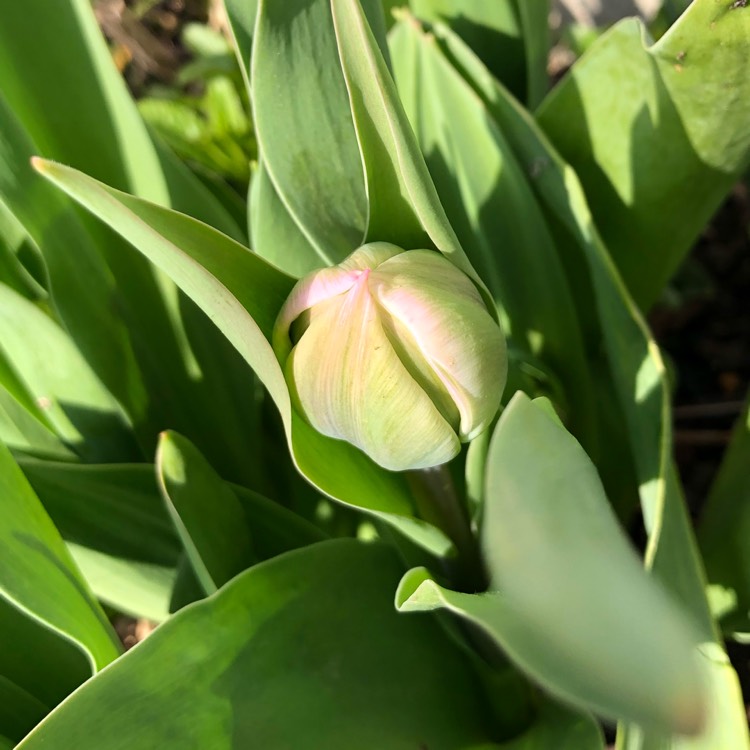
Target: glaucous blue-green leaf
(555, 554)
(243, 294)
(206, 513)
(39, 579)
(403, 205)
(17, 248)
(20, 712)
(274, 234)
(60, 64)
(638, 379)
(494, 213)
(118, 531)
(242, 15)
(276, 659)
(510, 37)
(38, 669)
(116, 528)
(59, 380)
(27, 430)
(64, 66)
(24, 424)
(304, 125)
(84, 291)
(657, 134)
(722, 533)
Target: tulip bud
(394, 352)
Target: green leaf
(38, 576)
(274, 234)
(116, 528)
(304, 127)
(657, 133)
(26, 430)
(403, 205)
(241, 15)
(495, 214)
(38, 669)
(207, 515)
(243, 295)
(60, 382)
(84, 290)
(289, 644)
(492, 30)
(61, 64)
(534, 17)
(723, 531)
(20, 711)
(16, 247)
(555, 553)
(509, 36)
(638, 377)
(127, 323)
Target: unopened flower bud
(394, 352)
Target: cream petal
(450, 328)
(350, 384)
(310, 291)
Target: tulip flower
(395, 352)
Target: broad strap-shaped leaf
(403, 205)
(495, 214)
(723, 532)
(39, 578)
(60, 382)
(657, 134)
(510, 37)
(276, 659)
(206, 513)
(96, 126)
(116, 528)
(20, 712)
(534, 16)
(638, 377)
(16, 250)
(122, 538)
(27, 430)
(83, 288)
(74, 77)
(555, 553)
(38, 670)
(274, 233)
(304, 125)
(243, 294)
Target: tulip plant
(369, 450)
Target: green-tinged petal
(353, 386)
(442, 322)
(314, 289)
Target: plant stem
(439, 504)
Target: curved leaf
(495, 214)
(656, 172)
(38, 576)
(403, 205)
(276, 659)
(243, 294)
(205, 511)
(304, 127)
(60, 382)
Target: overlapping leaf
(54, 633)
(243, 294)
(657, 133)
(637, 371)
(276, 659)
